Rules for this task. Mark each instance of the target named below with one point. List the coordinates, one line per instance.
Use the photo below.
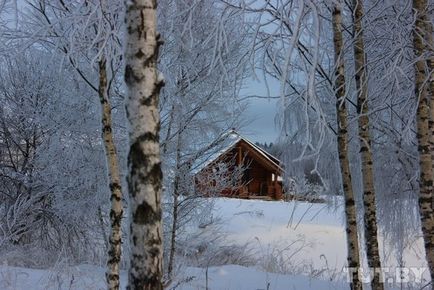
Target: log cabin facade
(253, 172)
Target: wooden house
(249, 172)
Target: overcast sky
(260, 112)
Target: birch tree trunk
(423, 133)
(370, 215)
(353, 256)
(176, 185)
(116, 211)
(144, 176)
(430, 63)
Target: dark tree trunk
(176, 185)
(422, 94)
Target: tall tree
(87, 36)
(430, 63)
(422, 94)
(370, 211)
(353, 257)
(176, 194)
(145, 175)
(116, 211)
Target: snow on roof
(264, 153)
(229, 141)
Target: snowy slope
(303, 242)
(219, 278)
(315, 232)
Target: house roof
(232, 139)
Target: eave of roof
(265, 154)
(232, 139)
(236, 139)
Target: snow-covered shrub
(50, 164)
(285, 257)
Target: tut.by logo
(389, 275)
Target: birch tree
(388, 61)
(370, 211)
(353, 256)
(145, 176)
(430, 63)
(422, 92)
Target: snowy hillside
(297, 233)
(302, 244)
(308, 233)
(219, 278)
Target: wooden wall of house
(257, 179)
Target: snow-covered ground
(298, 246)
(311, 233)
(226, 277)
(310, 238)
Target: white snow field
(297, 245)
(227, 277)
(310, 233)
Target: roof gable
(260, 155)
(236, 140)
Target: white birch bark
(144, 176)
